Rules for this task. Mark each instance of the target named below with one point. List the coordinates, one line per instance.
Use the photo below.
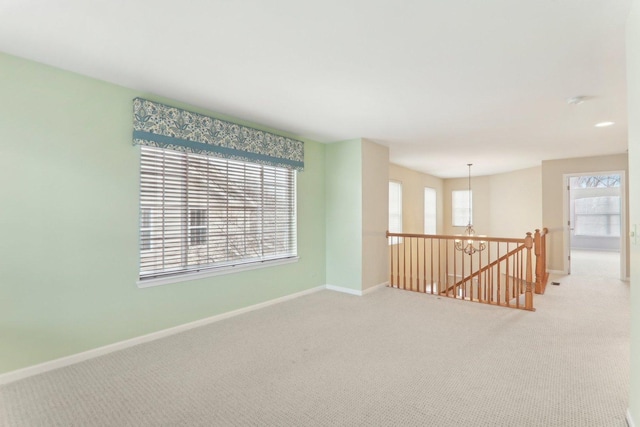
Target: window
(596, 205)
(597, 181)
(197, 227)
(461, 208)
(429, 210)
(395, 210)
(145, 229)
(199, 212)
(597, 216)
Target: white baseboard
(344, 290)
(556, 272)
(356, 291)
(630, 422)
(100, 351)
(375, 288)
(40, 368)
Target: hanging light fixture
(468, 246)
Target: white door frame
(623, 218)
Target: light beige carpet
(390, 358)
(595, 263)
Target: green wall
(344, 214)
(69, 220)
(357, 209)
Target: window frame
(426, 215)
(467, 209)
(196, 225)
(192, 221)
(398, 214)
(146, 219)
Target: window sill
(183, 277)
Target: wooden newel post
(539, 265)
(390, 261)
(528, 296)
(543, 258)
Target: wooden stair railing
(513, 283)
(542, 275)
(486, 267)
(502, 274)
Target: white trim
(557, 272)
(344, 290)
(566, 230)
(356, 292)
(40, 368)
(624, 234)
(183, 277)
(630, 422)
(375, 288)
(624, 238)
(100, 351)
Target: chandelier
(468, 246)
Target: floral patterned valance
(163, 126)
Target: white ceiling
(442, 83)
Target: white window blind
(461, 208)
(429, 210)
(395, 210)
(597, 216)
(201, 212)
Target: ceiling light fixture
(467, 245)
(576, 100)
(604, 124)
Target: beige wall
(505, 205)
(553, 186)
(633, 73)
(480, 187)
(516, 202)
(413, 184)
(375, 214)
(509, 204)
